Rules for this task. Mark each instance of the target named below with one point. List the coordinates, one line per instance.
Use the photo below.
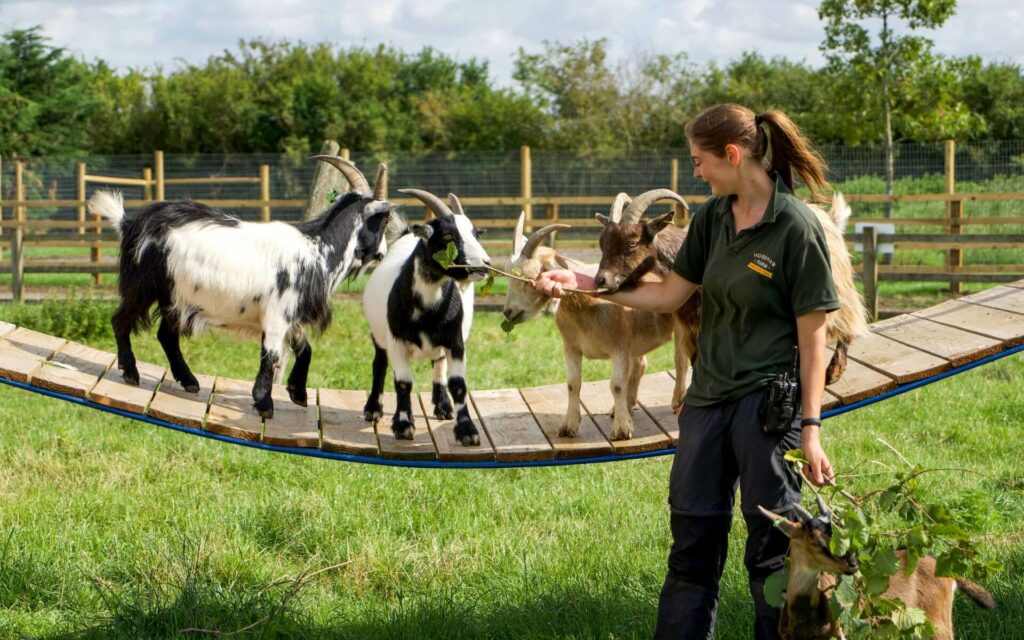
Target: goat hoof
(403, 430)
(565, 431)
(265, 408)
(444, 411)
(189, 383)
(298, 395)
(622, 434)
(130, 377)
(373, 411)
(466, 433)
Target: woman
(760, 257)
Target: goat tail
(978, 593)
(839, 211)
(109, 204)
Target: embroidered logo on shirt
(762, 264)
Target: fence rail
(21, 224)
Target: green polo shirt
(754, 285)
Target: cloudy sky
(142, 33)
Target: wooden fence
(17, 232)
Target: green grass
(111, 528)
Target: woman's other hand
(818, 469)
(554, 283)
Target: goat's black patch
(283, 280)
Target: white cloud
(133, 33)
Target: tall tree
(45, 96)
(899, 69)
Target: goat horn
(822, 507)
(637, 207)
(620, 201)
(805, 515)
(456, 205)
(355, 177)
(380, 185)
(537, 236)
(435, 204)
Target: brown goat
(590, 328)
(631, 248)
(812, 569)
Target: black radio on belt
(782, 402)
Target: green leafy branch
(924, 526)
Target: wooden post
(80, 194)
(325, 180)
(147, 191)
(954, 211)
(870, 273)
(526, 185)
(265, 192)
(679, 216)
(17, 245)
(551, 215)
(344, 153)
(158, 168)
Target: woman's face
(720, 173)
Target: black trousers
(721, 447)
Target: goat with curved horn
(639, 205)
(538, 236)
(621, 200)
(355, 177)
(435, 204)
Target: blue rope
(480, 464)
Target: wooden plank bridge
(518, 426)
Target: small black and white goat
(418, 308)
(206, 268)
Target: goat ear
(422, 231)
(561, 262)
(603, 219)
(784, 525)
(659, 223)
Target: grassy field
(116, 529)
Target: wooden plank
(548, 405)
(113, 392)
(231, 412)
(1006, 298)
(655, 396)
(647, 436)
(171, 403)
(1018, 284)
(513, 432)
(955, 345)
(73, 370)
(342, 424)
(859, 382)
(6, 327)
(998, 324)
(292, 425)
(23, 352)
(443, 433)
(900, 362)
(829, 401)
(421, 447)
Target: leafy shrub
(79, 316)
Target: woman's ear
(732, 154)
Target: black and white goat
(418, 308)
(206, 268)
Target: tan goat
(632, 247)
(591, 328)
(812, 570)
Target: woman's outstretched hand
(560, 282)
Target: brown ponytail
(790, 151)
